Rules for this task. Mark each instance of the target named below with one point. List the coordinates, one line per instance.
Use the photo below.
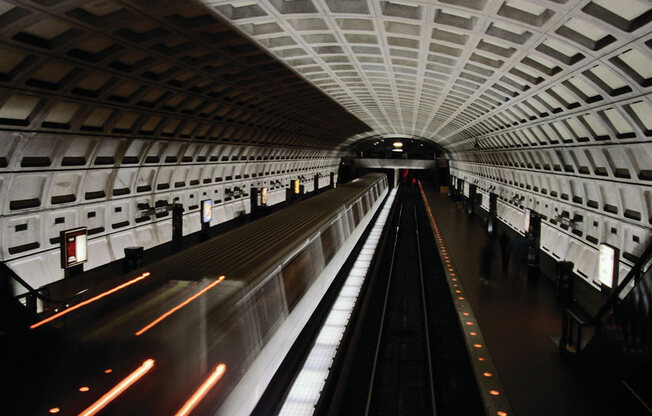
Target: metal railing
(30, 296)
(575, 321)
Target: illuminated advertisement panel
(263, 196)
(206, 211)
(296, 187)
(608, 265)
(526, 222)
(74, 247)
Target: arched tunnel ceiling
(157, 69)
(107, 106)
(458, 70)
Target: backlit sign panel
(263, 196)
(74, 247)
(206, 211)
(607, 265)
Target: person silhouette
(505, 251)
(486, 259)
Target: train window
(358, 208)
(330, 241)
(356, 214)
(234, 340)
(269, 307)
(297, 275)
(347, 221)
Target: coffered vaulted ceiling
(458, 70)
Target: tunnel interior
(122, 120)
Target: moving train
(232, 305)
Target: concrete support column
(395, 178)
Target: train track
(406, 353)
(402, 380)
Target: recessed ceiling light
(398, 144)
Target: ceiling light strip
(306, 389)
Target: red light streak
(202, 390)
(179, 306)
(89, 301)
(118, 389)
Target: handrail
(571, 338)
(31, 291)
(615, 296)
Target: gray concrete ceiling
(459, 70)
(109, 105)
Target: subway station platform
(520, 319)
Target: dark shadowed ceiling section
(153, 69)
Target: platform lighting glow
(88, 301)
(179, 306)
(118, 389)
(306, 390)
(398, 144)
(397, 150)
(202, 390)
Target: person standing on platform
(486, 259)
(518, 248)
(503, 240)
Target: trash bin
(133, 258)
